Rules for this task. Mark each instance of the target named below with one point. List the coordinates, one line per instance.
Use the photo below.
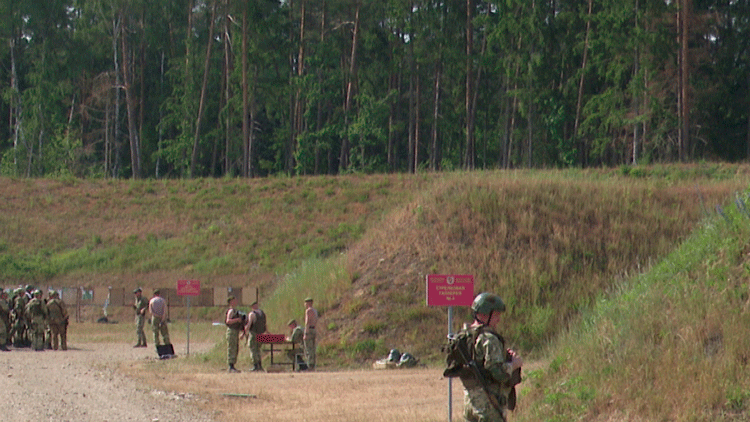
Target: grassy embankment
(559, 246)
(670, 344)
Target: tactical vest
(35, 308)
(55, 310)
(259, 326)
(239, 324)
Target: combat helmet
(485, 303)
(37, 292)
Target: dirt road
(100, 382)
(82, 384)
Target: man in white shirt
(158, 308)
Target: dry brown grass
(548, 242)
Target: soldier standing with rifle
(486, 368)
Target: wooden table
(277, 343)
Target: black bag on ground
(165, 351)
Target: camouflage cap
(37, 292)
(292, 321)
(308, 299)
(230, 298)
(137, 290)
(52, 293)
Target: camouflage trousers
(310, 346)
(59, 333)
(254, 345)
(37, 333)
(159, 326)
(233, 345)
(477, 407)
(139, 334)
(3, 332)
(20, 333)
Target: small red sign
(450, 290)
(188, 287)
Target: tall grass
(668, 344)
(321, 279)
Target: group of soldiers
(27, 319)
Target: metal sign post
(450, 291)
(188, 288)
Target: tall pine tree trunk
(636, 98)
(298, 102)
(469, 151)
(434, 145)
(15, 103)
(204, 88)
(349, 95)
(579, 101)
(228, 92)
(130, 103)
(115, 140)
(246, 144)
(684, 69)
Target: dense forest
(247, 88)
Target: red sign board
(188, 287)
(450, 290)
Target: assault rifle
(472, 365)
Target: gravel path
(80, 384)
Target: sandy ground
(82, 384)
(115, 382)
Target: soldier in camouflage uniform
(20, 332)
(58, 321)
(296, 338)
(235, 322)
(36, 314)
(256, 324)
(495, 362)
(4, 320)
(139, 306)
